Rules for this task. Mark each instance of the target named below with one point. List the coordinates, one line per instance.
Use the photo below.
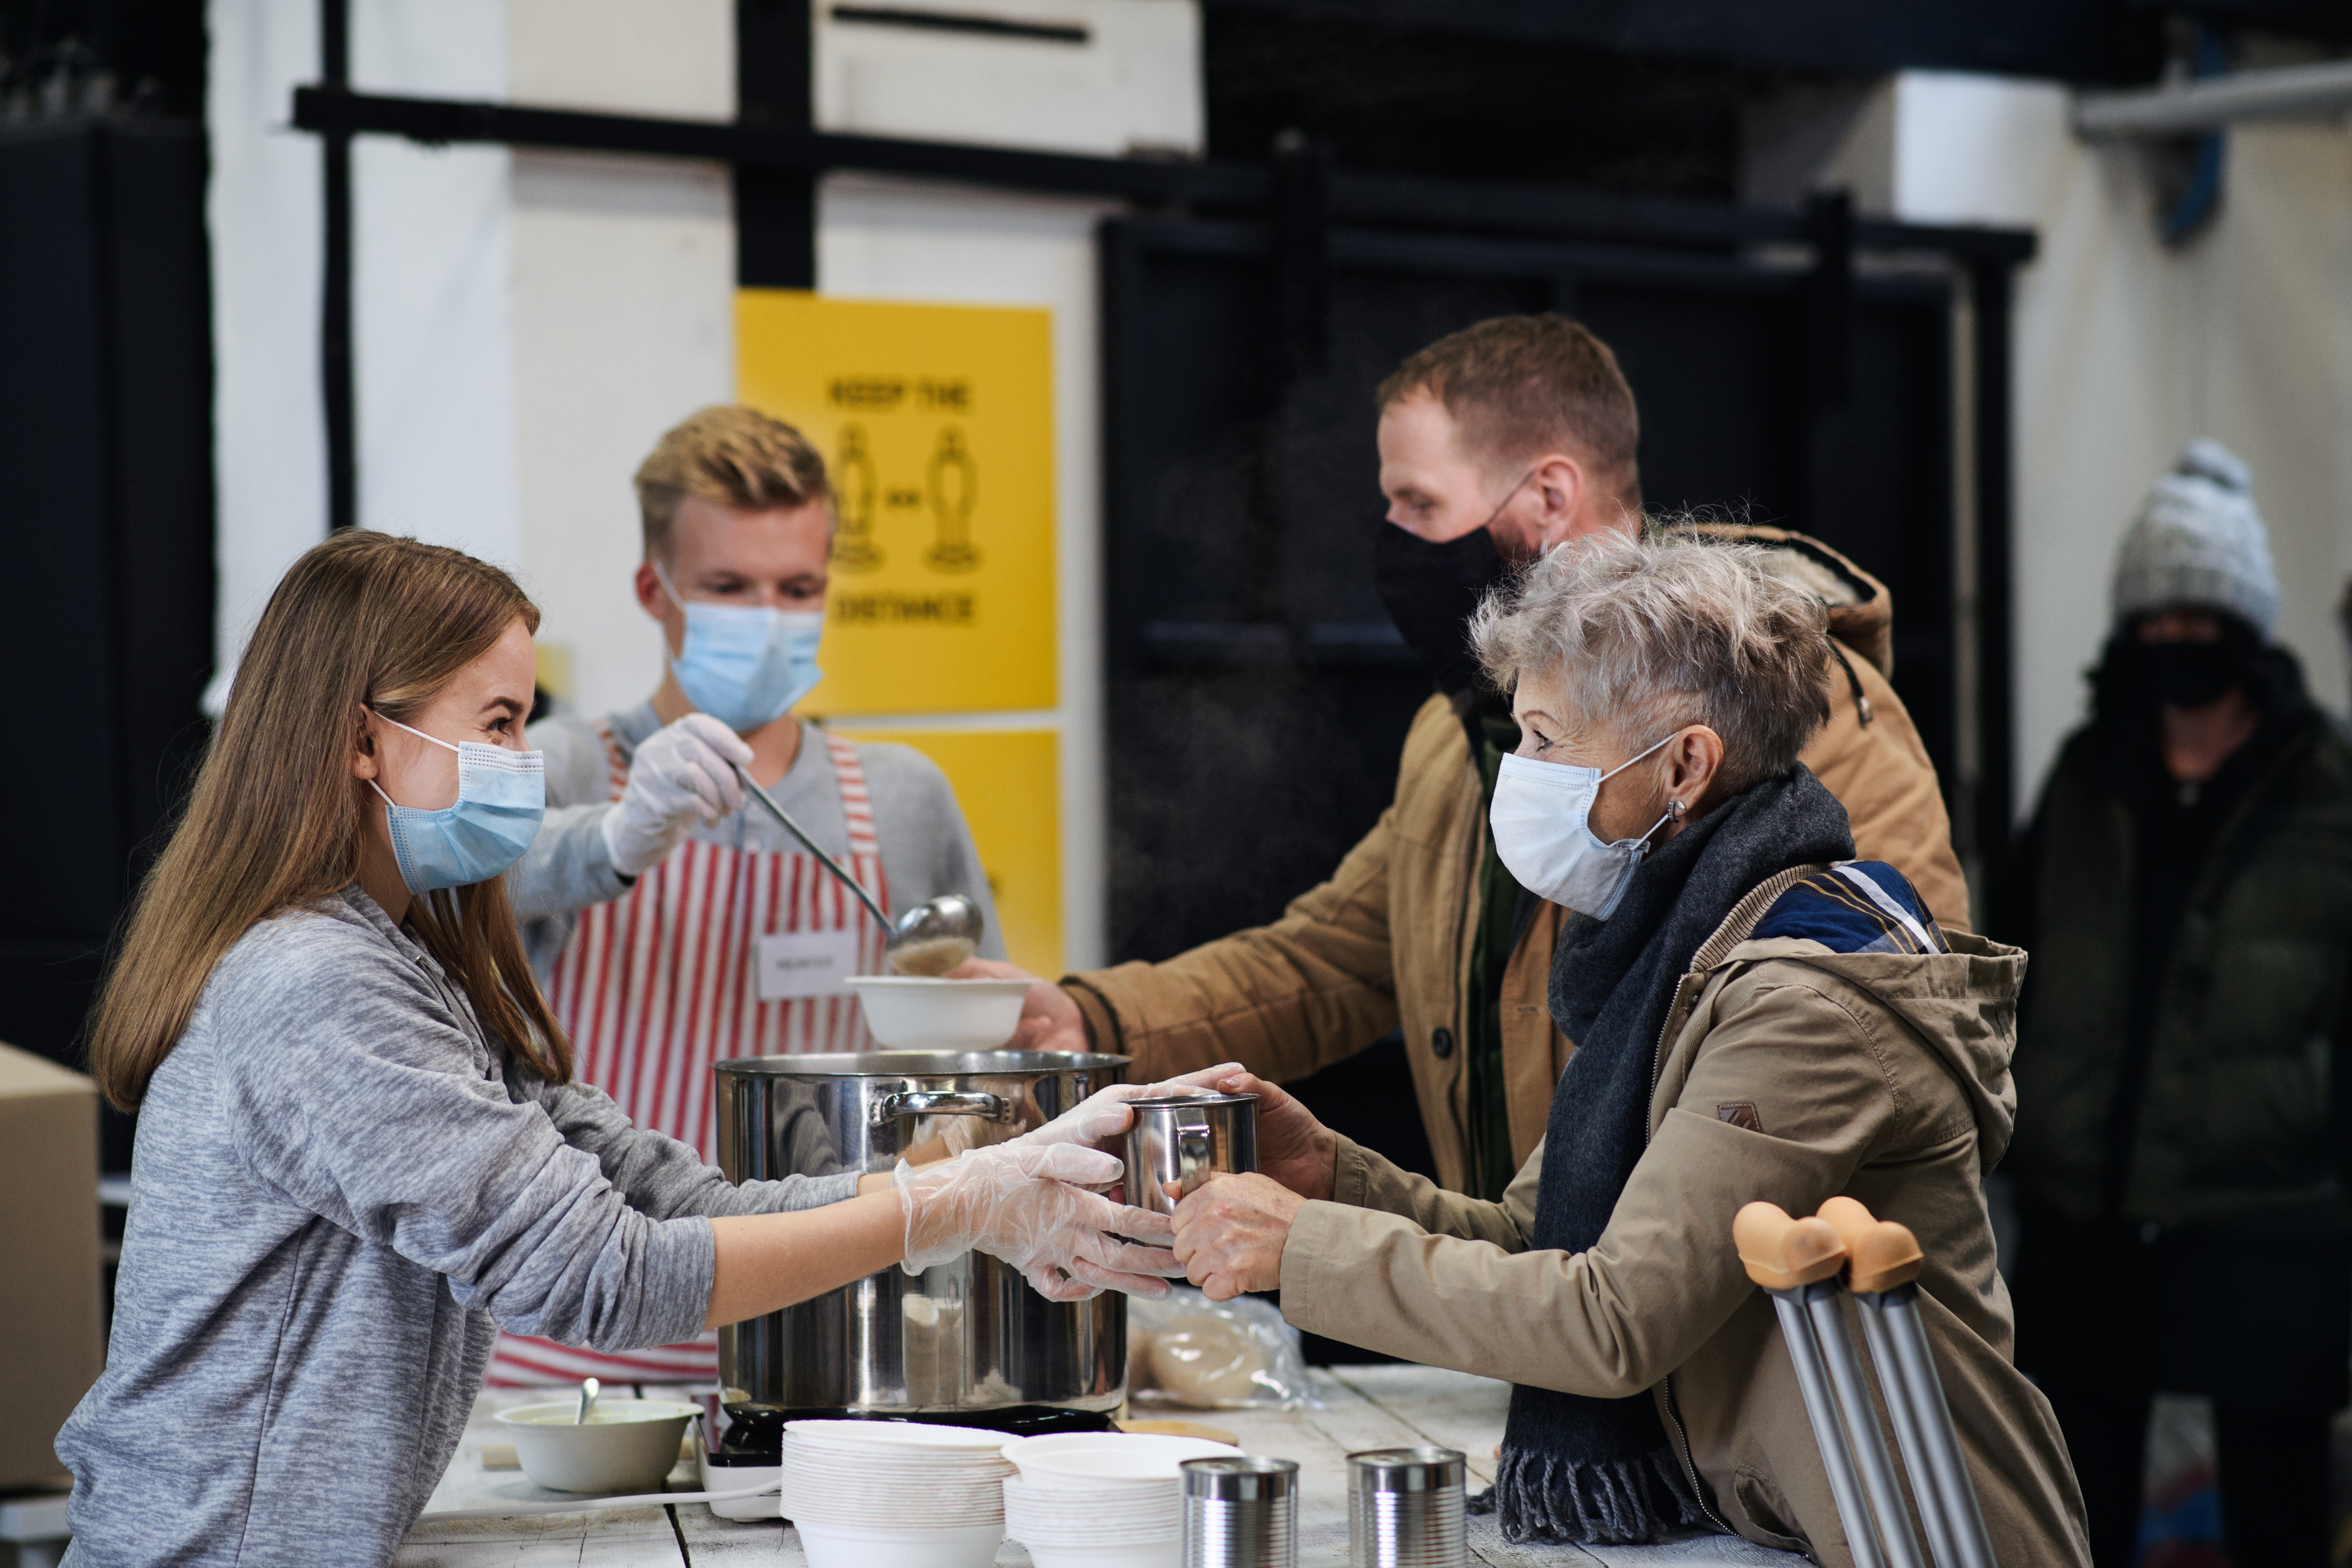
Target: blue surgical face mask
(501, 795)
(742, 665)
(1541, 820)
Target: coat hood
(1963, 1003)
(1861, 612)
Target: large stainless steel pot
(967, 1337)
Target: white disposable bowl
(901, 1435)
(1157, 1555)
(627, 1446)
(869, 1546)
(1082, 1458)
(908, 1013)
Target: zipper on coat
(1688, 1461)
(1458, 974)
(1680, 1439)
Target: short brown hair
(735, 456)
(1520, 387)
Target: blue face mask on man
(745, 666)
(501, 795)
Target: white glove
(1030, 1206)
(1103, 1115)
(678, 777)
(1100, 1118)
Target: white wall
(433, 340)
(525, 324)
(624, 316)
(2126, 348)
(1133, 84)
(262, 208)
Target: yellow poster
(1009, 784)
(936, 424)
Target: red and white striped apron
(658, 984)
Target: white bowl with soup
(910, 1012)
(625, 1445)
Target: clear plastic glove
(1103, 1115)
(678, 777)
(1030, 1206)
(1099, 1121)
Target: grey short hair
(1656, 633)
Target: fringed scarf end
(1612, 1502)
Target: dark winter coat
(2242, 1026)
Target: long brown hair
(275, 819)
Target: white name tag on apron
(797, 963)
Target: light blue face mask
(744, 666)
(501, 795)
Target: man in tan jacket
(1496, 444)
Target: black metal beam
(446, 120)
(335, 381)
(775, 207)
(1377, 200)
(2073, 42)
(1992, 287)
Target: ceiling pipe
(2210, 103)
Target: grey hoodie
(341, 1188)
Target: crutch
(1883, 1267)
(1798, 1261)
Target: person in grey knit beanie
(2184, 1040)
(2199, 541)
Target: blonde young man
(1496, 444)
(671, 925)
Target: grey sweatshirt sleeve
(355, 1089)
(568, 867)
(660, 1175)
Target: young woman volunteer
(359, 1144)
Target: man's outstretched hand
(1050, 1021)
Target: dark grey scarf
(1578, 1468)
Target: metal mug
(1184, 1137)
(965, 1338)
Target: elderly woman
(1757, 1015)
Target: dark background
(1258, 696)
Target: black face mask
(2190, 674)
(1431, 591)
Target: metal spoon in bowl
(589, 1389)
(929, 939)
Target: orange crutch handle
(1780, 1253)
(1881, 1253)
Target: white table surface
(1364, 1407)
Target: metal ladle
(929, 939)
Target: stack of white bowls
(895, 1494)
(1101, 1500)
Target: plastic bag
(1191, 1352)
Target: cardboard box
(49, 1281)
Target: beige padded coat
(1385, 942)
(1789, 1072)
